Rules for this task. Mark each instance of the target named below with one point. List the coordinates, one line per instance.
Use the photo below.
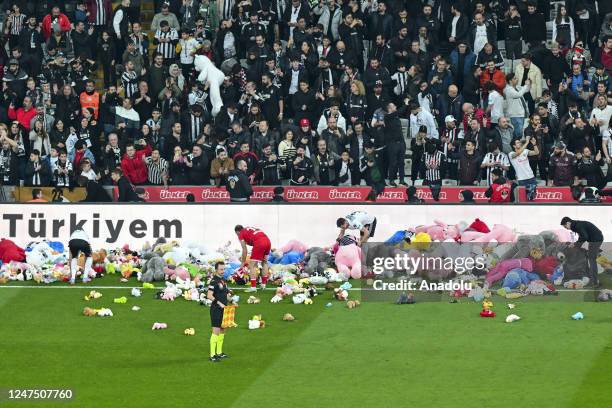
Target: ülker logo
(344, 195)
(302, 195)
(392, 195)
(171, 194)
(549, 195)
(215, 194)
(426, 195)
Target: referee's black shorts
(216, 316)
(79, 245)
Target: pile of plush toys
(516, 264)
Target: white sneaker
(262, 286)
(250, 290)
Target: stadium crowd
(327, 92)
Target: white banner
(212, 225)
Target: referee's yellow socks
(220, 338)
(214, 340)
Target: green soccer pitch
(430, 354)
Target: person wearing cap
(450, 138)
(561, 167)
(589, 233)
(15, 77)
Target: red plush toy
(479, 226)
(9, 251)
(487, 313)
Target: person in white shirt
(420, 117)
(495, 104)
(358, 220)
(79, 243)
(516, 106)
(601, 114)
(519, 159)
(188, 46)
(607, 151)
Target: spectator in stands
(469, 164)
(561, 166)
(133, 163)
(126, 191)
(500, 189)
(519, 158)
(37, 172)
(588, 168)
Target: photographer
(199, 168)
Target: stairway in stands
(147, 11)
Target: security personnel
(90, 98)
(589, 233)
(219, 295)
(500, 190)
(238, 185)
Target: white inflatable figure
(214, 76)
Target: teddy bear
(214, 76)
(9, 251)
(177, 255)
(172, 272)
(153, 268)
(316, 260)
(499, 233)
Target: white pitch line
(240, 289)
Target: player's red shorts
(261, 249)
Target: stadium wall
(115, 225)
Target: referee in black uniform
(218, 294)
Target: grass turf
(431, 354)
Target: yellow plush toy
(605, 262)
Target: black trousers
(592, 254)
(396, 154)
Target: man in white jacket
(516, 106)
(524, 71)
(420, 117)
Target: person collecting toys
(261, 249)
(358, 220)
(219, 294)
(79, 243)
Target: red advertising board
(308, 194)
(314, 194)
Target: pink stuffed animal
(159, 326)
(293, 245)
(499, 271)
(177, 272)
(348, 260)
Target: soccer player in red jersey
(260, 242)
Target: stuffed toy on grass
(153, 268)
(9, 251)
(316, 260)
(501, 269)
(348, 260)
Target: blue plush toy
(517, 277)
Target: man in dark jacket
(95, 192)
(534, 25)
(589, 233)
(126, 191)
(199, 167)
(395, 145)
(238, 185)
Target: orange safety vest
(90, 101)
